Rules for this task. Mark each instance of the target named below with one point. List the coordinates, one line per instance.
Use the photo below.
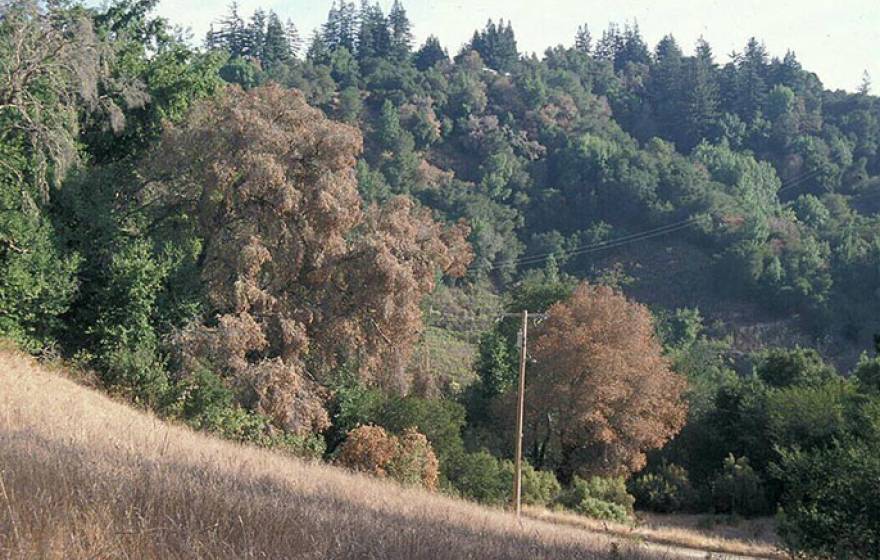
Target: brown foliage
(298, 274)
(408, 459)
(601, 393)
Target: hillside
(86, 477)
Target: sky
(838, 40)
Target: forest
(308, 241)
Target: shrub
(483, 478)
(408, 459)
(600, 497)
(478, 476)
(539, 488)
(205, 403)
(415, 463)
(666, 490)
(831, 504)
(738, 489)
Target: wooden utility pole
(521, 405)
(520, 412)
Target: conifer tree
(276, 44)
(374, 39)
(496, 45)
(702, 99)
(255, 36)
(401, 31)
(664, 88)
(430, 54)
(293, 38)
(583, 41)
(233, 33)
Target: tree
(374, 38)
(781, 367)
(299, 278)
(496, 45)
(401, 31)
(865, 85)
(430, 54)
(276, 47)
(583, 41)
(233, 34)
(600, 390)
(664, 89)
(829, 509)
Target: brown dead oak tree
(600, 392)
(298, 275)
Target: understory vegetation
(320, 246)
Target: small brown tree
(408, 459)
(600, 392)
(299, 277)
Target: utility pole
(520, 408)
(520, 412)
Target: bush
(666, 490)
(599, 497)
(408, 459)
(483, 478)
(831, 504)
(539, 488)
(478, 477)
(738, 489)
(205, 403)
(415, 463)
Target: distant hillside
(86, 477)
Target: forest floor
(85, 476)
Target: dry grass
(747, 538)
(82, 476)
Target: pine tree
(347, 26)
(751, 91)
(496, 46)
(276, 45)
(330, 28)
(583, 41)
(430, 54)
(401, 31)
(634, 50)
(865, 86)
(702, 102)
(293, 38)
(212, 39)
(233, 34)
(319, 51)
(664, 89)
(610, 45)
(374, 39)
(255, 36)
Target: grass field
(83, 476)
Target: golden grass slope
(82, 476)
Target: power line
(631, 238)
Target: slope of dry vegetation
(85, 477)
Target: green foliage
(830, 505)
(483, 478)
(602, 498)
(867, 371)
(477, 476)
(781, 367)
(666, 489)
(738, 489)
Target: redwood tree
(600, 392)
(299, 277)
